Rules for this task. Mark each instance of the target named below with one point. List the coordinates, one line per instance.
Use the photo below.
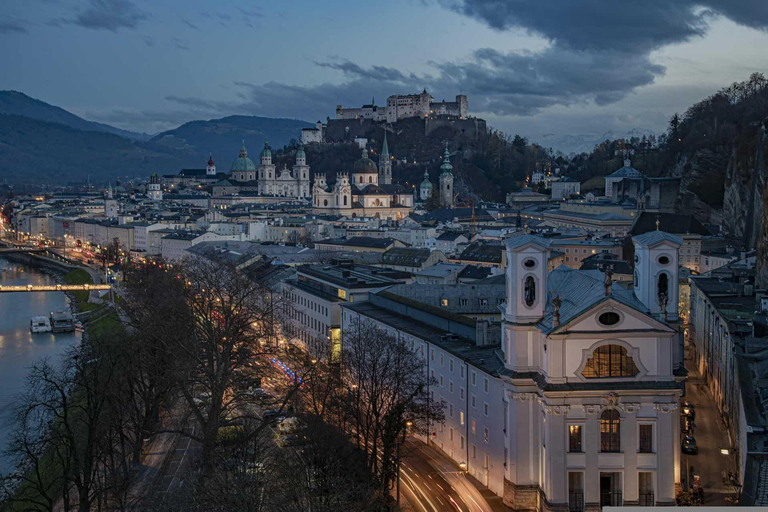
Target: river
(19, 348)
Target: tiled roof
(653, 238)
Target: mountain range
(42, 143)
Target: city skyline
(526, 69)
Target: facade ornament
(630, 407)
(612, 400)
(592, 408)
(666, 407)
(558, 410)
(556, 302)
(523, 397)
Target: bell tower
(656, 272)
(446, 180)
(385, 164)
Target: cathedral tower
(385, 164)
(446, 181)
(210, 170)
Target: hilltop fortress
(404, 106)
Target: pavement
(711, 436)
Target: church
(266, 179)
(367, 191)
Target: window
(530, 291)
(462, 372)
(646, 438)
(609, 361)
(461, 444)
(442, 360)
(474, 401)
(574, 438)
(485, 385)
(444, 302)
(451, 434)
(485, 434)
(474, 426)
(441, 381)
(645, 486)
(575, 491)
(485, 408)
(464, 302)
(450, 411)
(609, 318)
(432, 354)
(474, 451)
(483, 302)
(461, 394)
(663, 284)
(450, 386)
(610, 433)
(461, 416)
(450, 365)
(474, 378)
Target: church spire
(385, 147)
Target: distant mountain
(19, 104)
(585, 142)
(223, 137)
(34, 151)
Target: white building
(564, 188)
(285, 182)
(579, 408)
(313, 135)
(625, 172)
(154, 189)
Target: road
(431, 482)
(711, 436)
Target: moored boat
(39, 324)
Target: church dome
(266, 153)
(426, 183)
(365, 165)
(243, 163)
(300, 153)
(446, 167)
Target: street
(711, 436)
(433, 483)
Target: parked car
(689, 446)
(274, 413)
(291, 440)
(689, 410)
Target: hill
(223, 137)
(33, 151)
(19, 104)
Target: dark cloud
(110, 15)
(190, 25)
(9, 26)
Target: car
(689, 410)
(689, 424)
(291, 440)
(274, 413)
(689, 446)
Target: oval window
(529, 263)
(663, 260)
(609, 318)
(637, 258)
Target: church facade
(365, 192)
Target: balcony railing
(576, 501)
(646, 499)
(611, 499)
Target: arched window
(663, 285)
(325, 202)
(370, 179)
(345, 200)
(637, 279)
(530, 291)
(610, 431)
(609, 361)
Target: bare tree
(388, 395)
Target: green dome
(243, 163)
(365, 165)
(266, 153)
(426, 183)
(300, 153)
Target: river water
(19, 348)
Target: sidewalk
(711, 436)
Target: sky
(547, 69)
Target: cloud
(110, 15)
(190, 25)
(9, 26)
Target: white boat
(62, 321)
(40, 324)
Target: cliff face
(701, 182)
(745, 180)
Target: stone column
(591, 449)
(668, 443)
(557, 472)
(521, 491)
(629, 444)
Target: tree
(388, 396)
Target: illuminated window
(444, 302)
(610, 361)
(610, 431)
(342, 294)
(574, 438)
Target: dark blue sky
(561, 67)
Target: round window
(663, 260)
(609, 318)
(637, 258)
(529, 263)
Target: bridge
(54, 288)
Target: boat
(62, 321)
(40, 324)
